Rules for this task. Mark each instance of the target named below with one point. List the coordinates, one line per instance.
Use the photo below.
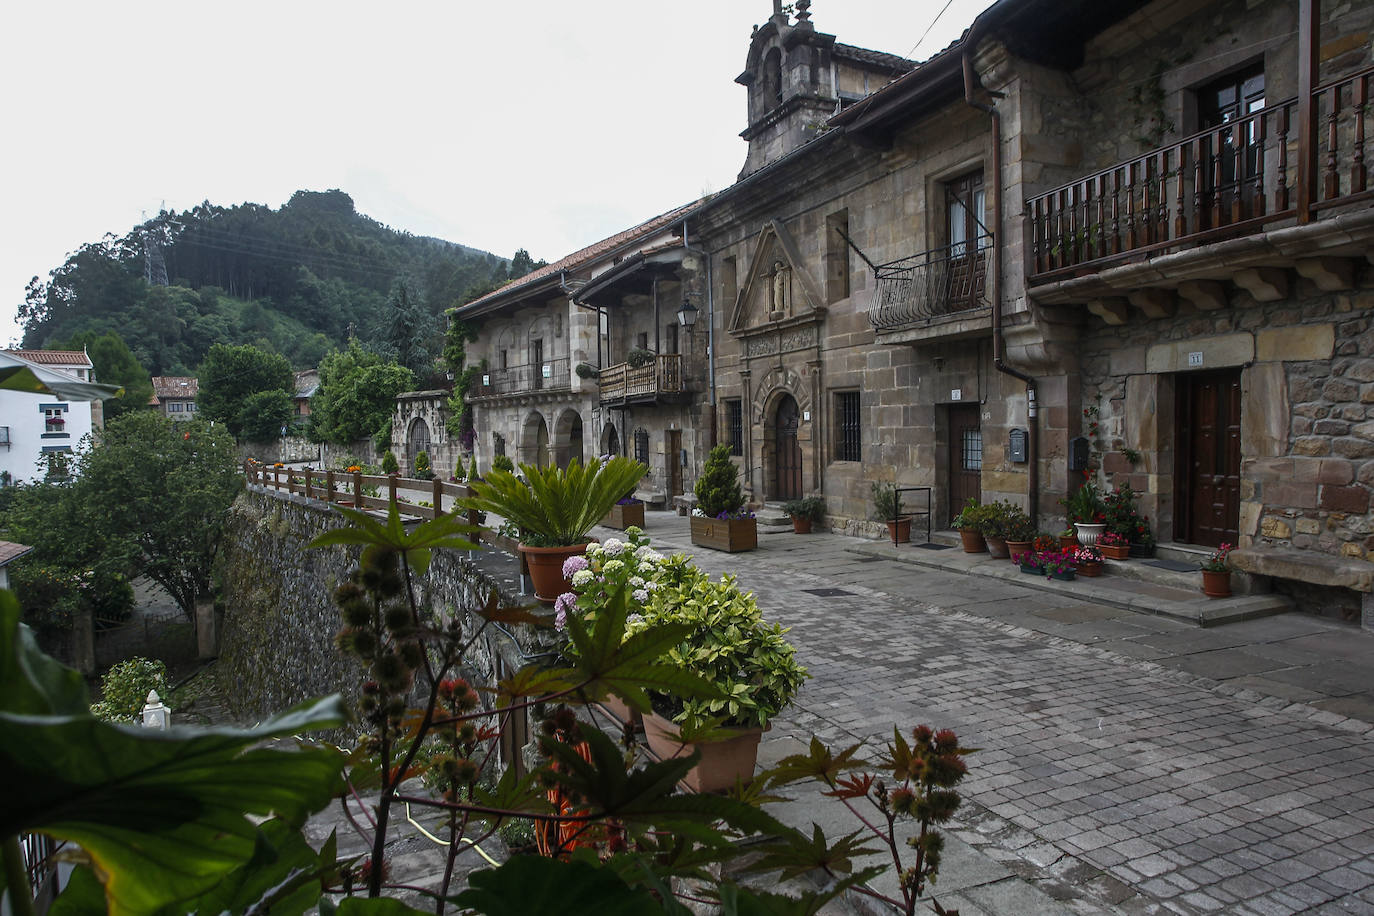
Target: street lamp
(687, 315)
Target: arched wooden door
(787, 461)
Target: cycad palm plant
(555, 507)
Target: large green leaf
(162, 815)
(558, 505)
(451, 531)
(533, 884)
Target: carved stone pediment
(778, 292)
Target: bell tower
(790, 80)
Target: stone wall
(277, 645)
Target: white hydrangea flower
(582, 577)
(647, 554)
(613, 547)
(613, 567)
(640, 595)
(636, 581)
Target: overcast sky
(499, 125)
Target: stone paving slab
(1105, 782)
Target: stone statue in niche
(779, 304)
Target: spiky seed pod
(398, 619)
(395, 708)
(356, 612)
(344, 639)
(346, 592)
(367, 704)
(389, 668)
(467, 700)
(372, 688)
(390, 584)
(413, 654)
(564, 719)
(466, 771)
(467, 733)
(364, 643)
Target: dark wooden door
(965, 456)
(672, 457)
(787, 476)
(1208, 438)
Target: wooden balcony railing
(1218, 183)
(411, 497)
(942, 281)
(624, 382)
(549, 375)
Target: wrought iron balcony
(932, 284)
(623, 383)
(1224, 182)
(549, 375)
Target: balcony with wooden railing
(1238, 179)
(624, 384)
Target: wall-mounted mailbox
(1079, 450)
(1016, 446)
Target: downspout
(710, 334)
(998, 354)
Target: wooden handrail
(334, 487)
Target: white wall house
(33, 426)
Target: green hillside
(295, 280)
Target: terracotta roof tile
(877, 58)
(590, 253)
(12, 551)
(53, 357)
(175, 386)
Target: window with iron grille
(848, 427)
(734, 425)
(642, 446)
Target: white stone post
(156, 715)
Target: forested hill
(294, 280)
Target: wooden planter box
(622, 517)
(731, 535)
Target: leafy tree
(114, 364)
(164, 486)
(230, 375)
(265, 414)
(356, 396)
(408, 329)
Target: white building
(35, 426)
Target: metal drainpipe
(710, 334)
(1033, 475)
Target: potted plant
(885, 510)
(1124, 519)
(639, 357)
(1030, 561)
(628, 511)
(1068, 538)
(721, 520)
(804, 512)
(1087, 562)
(1086, 512)
(729, 644)
(1216, 573)
(992, 525)
(554, 509)
(503, 463)
(969, 522)
(1059, 565)
(422, 469)
(1020, 532)
(1113, 546)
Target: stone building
(1126, 242)
(610, 310)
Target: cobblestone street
(1111, 782)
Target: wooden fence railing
(411, 497)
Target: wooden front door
(1208, 437)
(965, 456)
(672, 458)
(787, 464)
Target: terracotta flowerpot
(722, 762)
(899, 529)
(546, 569)
(973, 539)
(624, 516)
(997, 547)
(1216, 584)
(1068, 540)
(731, 535)
(801, 525)
(1088, 532)
(622, 711)
(1090, 569)
(1015, 548)
(1115, 551)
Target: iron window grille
(734, 425)
(849, 446)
